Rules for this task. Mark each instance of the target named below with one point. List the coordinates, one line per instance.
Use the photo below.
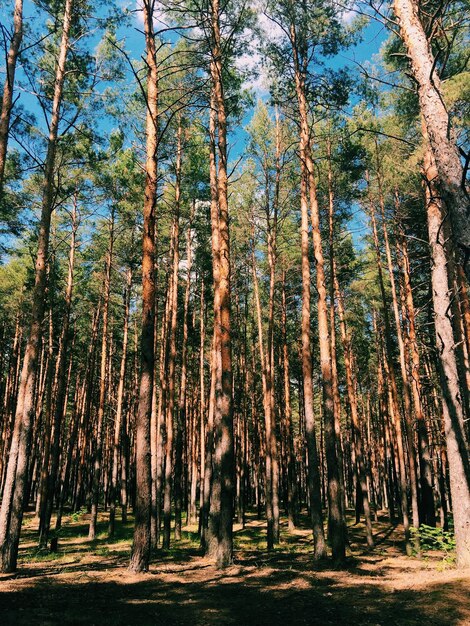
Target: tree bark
(221, 504)
(140, 555)
(313, 465)
(98, 462)
(11, 512)
(457, 446)
(117, 438)
(8, 86)
(437, 123)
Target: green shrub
(435, 538)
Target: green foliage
(435, 538)
(76, 516)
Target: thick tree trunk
(221, 504)
(457, 446)
(140, 555)
(436, 119)
(11, 512)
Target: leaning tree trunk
(7, 101)
(436, 119)
(457, 446)
(11, 512)
(140, 555)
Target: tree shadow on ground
(88, 583)
(253, 597)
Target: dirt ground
(88, 583)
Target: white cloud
(159, 17)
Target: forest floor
(88, 582)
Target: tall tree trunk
(140, 555)
(291, 478)
(182, 404)
(334, 365)
(8, 86)
(170, 372)
(457, 446)
(424, 454)
(313, 465)
(402, 356)
(11, 512)
(437, 123)
(202, 407)
(389, 368)
(221, 504)
(117, 438)
(336, 526)
(61, 389)
(268, 419)
(352, 400)
(98, 462)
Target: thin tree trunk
(267, 414)
(182, 401)
(426, 480)
(117, 439)
(61, 390)
(392, 385)
(401, 349)
(352, 400)
(291, 478)
(170, 372)
(334, 365)
(312, 454)
(98, 462)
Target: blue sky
(372, 38)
